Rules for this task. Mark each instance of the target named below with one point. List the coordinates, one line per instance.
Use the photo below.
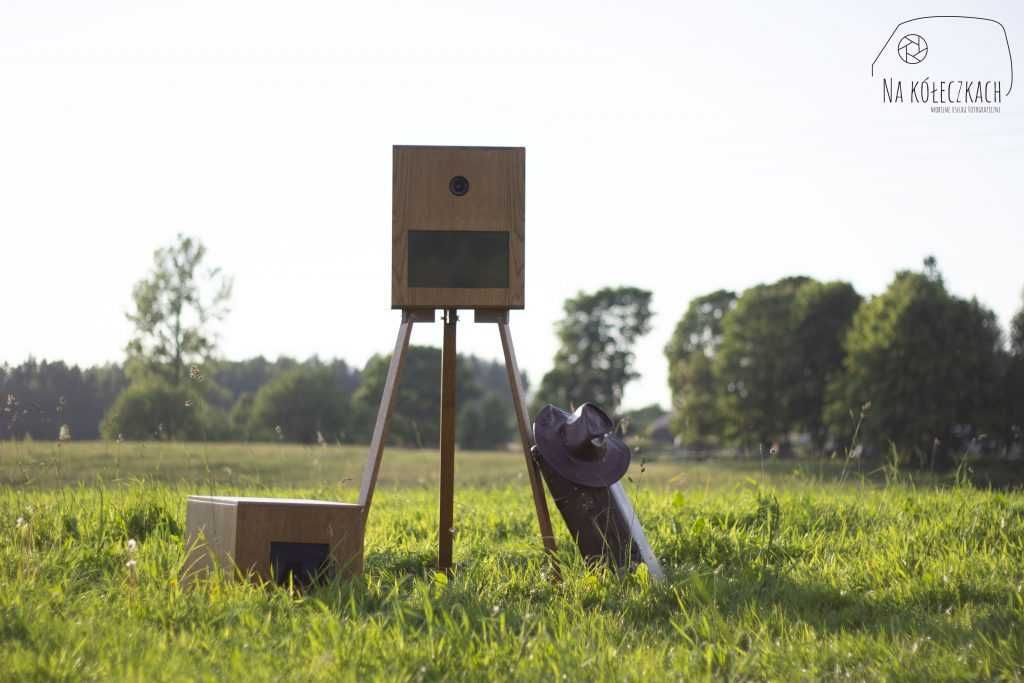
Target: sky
(678, 147)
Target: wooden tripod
(445, 530)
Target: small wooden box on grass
(274, 538)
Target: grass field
(777, 573)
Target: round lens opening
(458, 185)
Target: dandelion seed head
(132, 545)
(20, 522)
(130, 564)
(65, 433)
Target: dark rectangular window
(304, 562)
(458, 258)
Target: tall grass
(784, 579)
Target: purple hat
(581, 446)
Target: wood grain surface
(421, 200)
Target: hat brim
(599, 473)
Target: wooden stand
(448, 359)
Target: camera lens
(458, 185)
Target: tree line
(916, 370)
(310, 401)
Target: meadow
(779, 570)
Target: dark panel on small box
(303, 562)
(458, 258)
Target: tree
(823, 312)
(1010, 406)
(482, 400)
(303, 405)
(156, 410)
(484, 424)
(689, 352)
(174, 307)
(45, 395)
(1017, 331)
(756, 363)
(415, 421)
(927, 363)
(595, 358)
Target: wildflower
(130, 565)
(280, 434)
(188, 403)
(495, 610)
(132, 546)
(194, 374)
(120, 437)
(65, 433)
(320, 438)
(20, 523)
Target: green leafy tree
(174, 308)
(240, 417)
(46, 395)
(415, 421)
(1009, 413)
(926, 361)
(484, 424)
(756, 363)
(595, 358)
(157, 410)
(823, 312)
(695, 396)
(302, 404)
(1017, 331)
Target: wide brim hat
(581, 446)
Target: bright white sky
(677, 148)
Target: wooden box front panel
(340, 526)
(238, 532)
(422, 202)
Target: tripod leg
(446, 516)
(523, 422)
(380, 427)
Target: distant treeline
(257, 399)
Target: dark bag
(596, 523)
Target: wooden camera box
(458, 227)
(274, 539)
